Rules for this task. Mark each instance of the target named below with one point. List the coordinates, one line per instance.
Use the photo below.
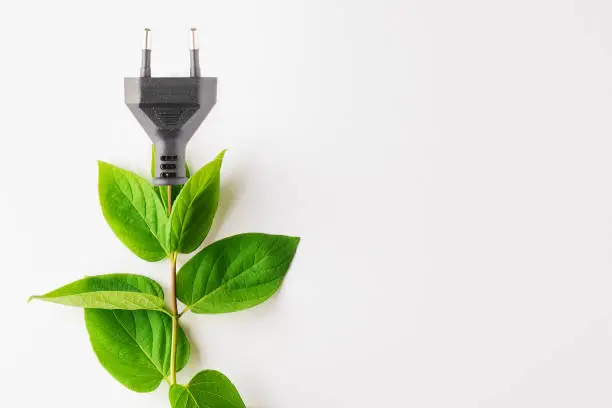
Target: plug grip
(169, 162)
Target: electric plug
(170, 110)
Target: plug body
(170, 110)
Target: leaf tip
(221, 155)
(103, 165)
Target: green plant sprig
(134, 333)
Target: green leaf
(134, 211)
(135, 346)
(195, 207)
(162, 191)
(235, 273)
(153, 163)
(208, 389)
(115, 291)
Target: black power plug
(170, 109)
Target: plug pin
(195, 40)
(194, 53)
(147, 40)
(145, 67)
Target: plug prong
(194, 53)
(145, 67)
(147, 40)
(195, 43)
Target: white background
(447, 164)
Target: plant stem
(173, 306)
(174, 318)
(169, 200)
